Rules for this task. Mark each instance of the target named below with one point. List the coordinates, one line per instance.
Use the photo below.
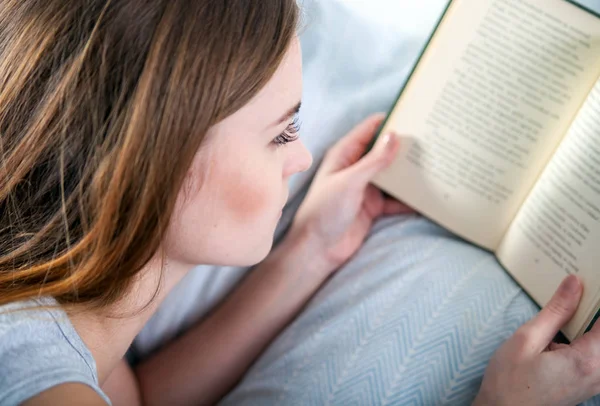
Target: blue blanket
(412, 320)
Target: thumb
(379, 158)
(557, 312)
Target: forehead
(282, 92)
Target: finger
(363, 133)
(373, 201)
(589, 342)
(392, 207)
(557, 346)
(380, 157)
(350, 148)
(587, 346)
(557, 312)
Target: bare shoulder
(67, 394)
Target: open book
(502, 116)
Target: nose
(299, 161)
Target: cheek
(248, 190)
(230, 220)
(243, 200)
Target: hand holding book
(530, 370)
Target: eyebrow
(288, 114)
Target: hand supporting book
(530, 370)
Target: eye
(291, 133)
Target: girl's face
(237, 186)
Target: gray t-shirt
(40, 349)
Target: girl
(142, 137)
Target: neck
(109, 335)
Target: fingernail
(570, 285)
(388, 141)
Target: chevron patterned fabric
(412, 320)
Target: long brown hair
(103, 105)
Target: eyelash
(291, 133)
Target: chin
(246, 256)
(258, 255)
(260, 250)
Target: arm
(204, 364)
(122, 387)
(69, 394)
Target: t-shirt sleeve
(36, 353)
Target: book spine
(589, 327)
(584, 8)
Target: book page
(557, 231)
(485, 108)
